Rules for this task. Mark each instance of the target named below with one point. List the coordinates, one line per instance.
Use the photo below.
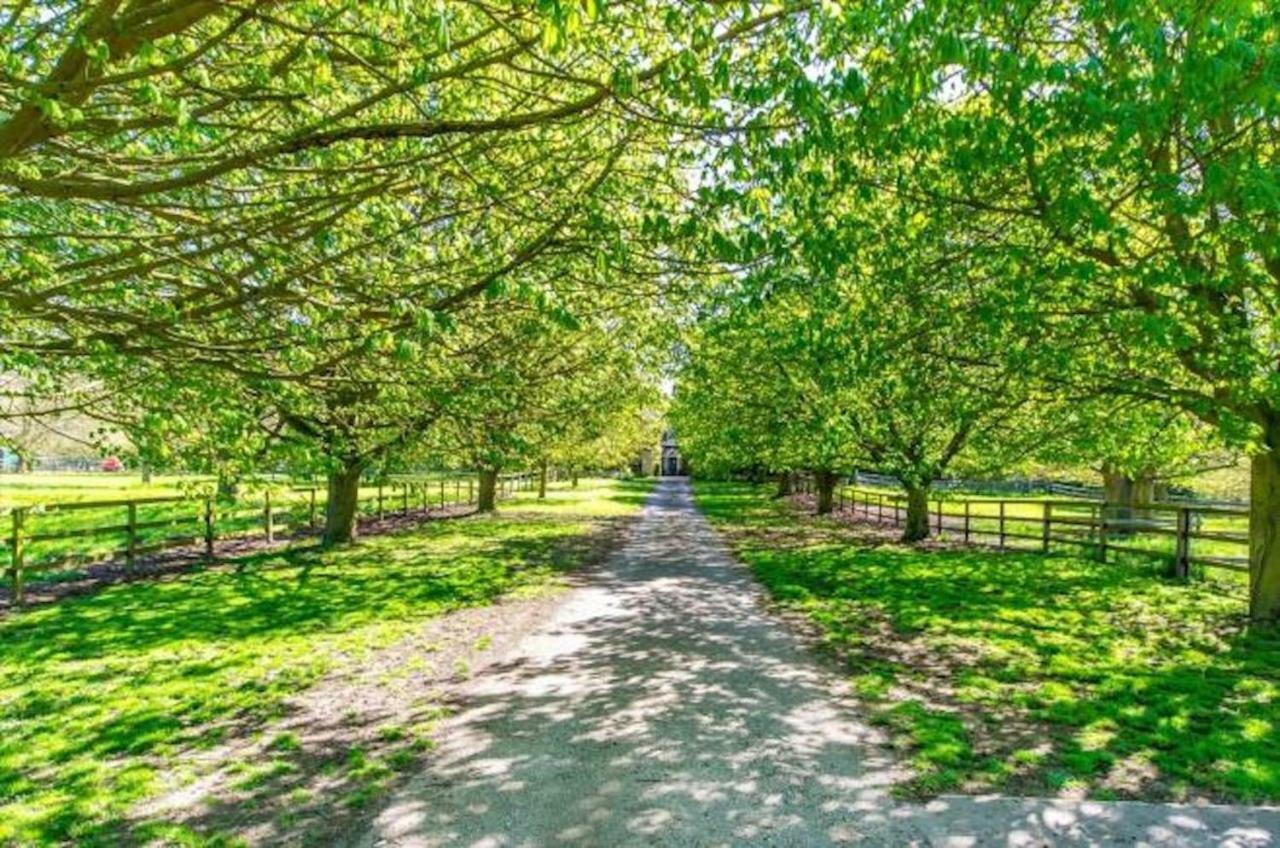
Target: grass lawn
(1026, 673)
(47, 486)
(173, 522)
(1024, 516)
(100, 694)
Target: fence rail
(38, 533)
(1031, 486)
(1182, 534)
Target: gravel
(662, 704)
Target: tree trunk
(487, 501)
(917, 527)
(228, 488)
(1119, 495)
(1124, 495)
(145, 469)
(542, 480)
(826, 483)
(340, 512)
(23, 464)
(1144, 493)
(575, 478)
(785, 485)
(1264, 536)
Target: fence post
(266, 515)
(1044, 531)
(208, 527)
(404, 499)
(1001, 525)
(131, 546)
(1102, 532)
(17, 549)
(311, 510)
(939, 502)
(1182, 559)
(457, 491)
(380, 510)
(471, 489)
(880, 508)
(442, 494)
(966, 522)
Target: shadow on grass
(591, 497)
(1029, 673)
(98, 692)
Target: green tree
(1137, 145)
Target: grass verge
(99, 695)
(1026, 673)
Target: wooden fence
(1182, 534)
(181, 521)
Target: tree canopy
(922, 236)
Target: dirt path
(663, 706)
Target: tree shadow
(1034, 674)
(662, 707)
(99, 689)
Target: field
(110, 698)
(72, 520)
(1025, 673)
(49, 487)
(1217, 547)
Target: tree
(1136, 446)
(314, 214)
(759, 388)
(165, 167)
(574, 394)
(875, 318)
(1138, 142)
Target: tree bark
(340, 521)
(917, 526)
(785, 485)
(1124, 494)
(542, 480)
(487, 499)
(228, 488)
(1264, 536)
(826, 483)
(575, 478)
(1118, 493)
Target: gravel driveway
(662, 705)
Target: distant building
(670, 463)
(662, 461)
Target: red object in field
(112, 463)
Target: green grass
(1027, 673)
(100, 694)
(44, 487)
(62, 558)
(1024, 517)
